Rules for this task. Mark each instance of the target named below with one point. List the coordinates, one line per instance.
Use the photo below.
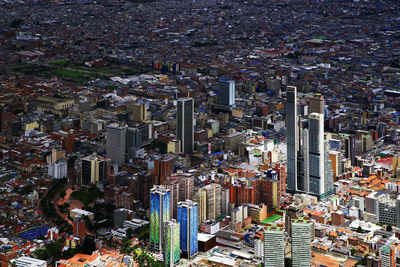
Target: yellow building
(139, 111)
(57, 106)
(95, 169)
(31, 126)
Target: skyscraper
(115, 147)
(187, 218)
(226, 92)
(172, 184)
(171, 250)
(274, 250)
(316, 154)
(301, 241)
(139, 111)
(159, 214)
(185, 125)
(317, 104)
(209, 201)
(163, 167)
(94, 169)
(292, 134)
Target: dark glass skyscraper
(184, 126)
(292, 134)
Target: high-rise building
(79, 228)
(209, 201)
(292, 135)
(187, 217)
(301, 242)
(316, 154)
(58, 170)
(329, 180)
(226, 92)
(303, 173)
(274, 249)
(163, 168)
(159, 214)
(317, 104)
(171, 250)
(200, 197)
(95, 169)
(139, 111)
(335, 157)
(291, 212)
(115, 147)
(350, 150)
(225, 201)
(185, 125)
(389, 253)
(133, 138)
(172, 185)
(186, 185)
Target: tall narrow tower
(301, 242)
(159, 214)
(316, 156)
(184, 119)
(292, 134)
(115, 146)
(187, 218)
(171, 243)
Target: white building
(301, 241)
(29, 262)
(274, 249)
(58, 170)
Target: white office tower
(115, 146)
(301, 241)
(58, 170)
(292, 133)
(274, 249)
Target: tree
(129, 233)
(389, 228)
(359, 229)
(88, 246)
(62, 193)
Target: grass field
(62, 63)
(49, 72)
(272, 218)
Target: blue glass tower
(187, 217)
(159, 214)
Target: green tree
(88, 246)
(389, 228)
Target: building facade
(184, 127)
(115, 147)
(292, 133)
(301, 242)
(95, 169)
(159, 214)
(187, 218)
(171, 243)
(274, 249)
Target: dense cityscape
(199, 133)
